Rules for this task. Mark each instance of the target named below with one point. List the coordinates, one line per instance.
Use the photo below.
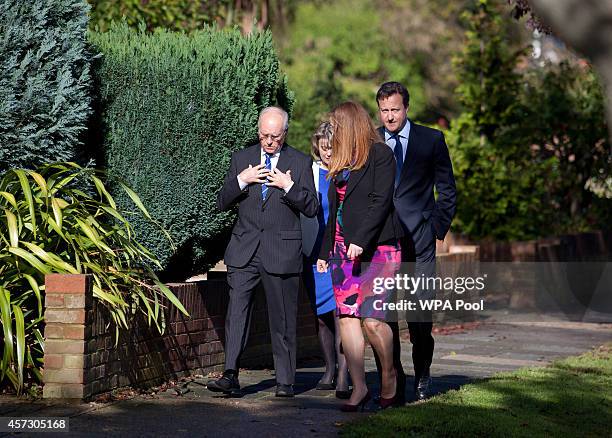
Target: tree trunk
(264, 13)
(248, 12)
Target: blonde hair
(354, 134)
(324, 131)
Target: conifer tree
(44, 81)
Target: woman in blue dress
(319, 285)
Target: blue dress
(319, 285)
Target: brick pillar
(67, 299)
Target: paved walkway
(460, 357)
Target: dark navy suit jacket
(427, 164)
(272, 225)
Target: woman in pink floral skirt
(361, 243)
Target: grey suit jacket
(273, 224)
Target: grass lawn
(571, 397)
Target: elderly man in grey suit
(272, 184)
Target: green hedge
(44, 81)
(174, 107)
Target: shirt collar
(263, 153)
(403, 132)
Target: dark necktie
(398, 151)
(264, 187)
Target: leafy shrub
(499, 196)
(44, 81)
(530, 151)
(338, 51)
(170, 14)
(565, 122)
(174, 108)
(500, 183)
(50, 225)
(190, 15)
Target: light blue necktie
(398, 151)
(264, 187)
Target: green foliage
(190, 15)
(499, 195)
(564, 122)
(501, 184)
(48, 224)
(428, 33)
(170, 14)
(527, 143)
(175, 107)
(489, 84)
(335, 52)
(44, 81)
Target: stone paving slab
(460, 358)
(494, 360)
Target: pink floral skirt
(356, 288)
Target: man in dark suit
(422, 162)
(272, 184)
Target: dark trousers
(281, 298)
(419, 248)
(422, 348)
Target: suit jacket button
(261, 230)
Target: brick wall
(587, 246)
(518, 288)
(66, 304)
(460, 261)
(81, 358)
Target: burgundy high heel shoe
(353, 408)
(395, 400)
(388, 402)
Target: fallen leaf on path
(455, 328)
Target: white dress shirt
(273, 161)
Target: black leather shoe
(284, 390)
(227, 384)
(422, 390)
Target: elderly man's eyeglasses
(277, 137)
